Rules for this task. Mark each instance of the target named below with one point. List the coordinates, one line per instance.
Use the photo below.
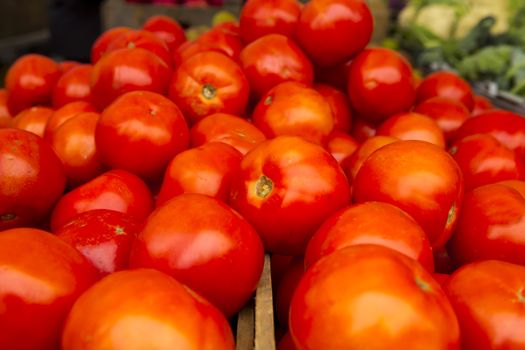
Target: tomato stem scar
(209, 91)
(7, 217)
(263, 187)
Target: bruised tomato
(412, 126)
(5, 115)
(100, 46)
(33, 119)
(363, 152)
(166, 29)
(65, 113)
(73, 85)
(339, 105)
(448, 85)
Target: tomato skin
(448, 85)
(443, 263)
(38, 287)
(73, 85)
(66, 66)
(166, 29)
(116, 190)
(207, 170)
(176, 239)
(371, 297)
(31, 179)
(141, 309)
(33, 119)
(100, 46)
(339, 104)
(335, 76)
(274, 59)
(362, 130)
(419, 178)
(5, 115)
(284, 211)
(286, 343)
(65, 113)
(333, 31)
(341, 146)
(286, 288)
(376, 75)
(487, 297)
(412, 126)
(481, 105)
(354, 163)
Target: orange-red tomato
(363, 152)
(65, 113)
(5, 115)
(339, 104)
(33, 119)
(100, 46)
(481, 104)
(341, 146)
(166, 29)
(73, 85)
(448, 85)
(412, 126)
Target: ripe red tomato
(412, 126)
(103, 236)
(336, 76)
(65, 113)
(100, 46)
(487, 297)
(286, 188)
(443, 263)
(448, 114)
(65, 66)
(30, 82)
(371, 297)
(207, 83)
(31, 178)
(262, 17)
(207, 170)
(40, 279)
(286, 343)
(380, 84)
(362, 130)
(33, 119)
(418, 177)
(147, 126)
(284, 291)
(448, 85)
(441, 278)
(144, 309)
(166, 29)
(204, 244)
(363, 152)
(5, 115)
(274, 59)
(481, 104)
(341, 146)
(339, 104)
(128, 70)
(73, 85)
(116, 190)
(333, 31)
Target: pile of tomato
(140, 192)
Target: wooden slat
(264, 325)
(246, 328)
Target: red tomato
(336, 76)
(279, 264)
(363, 152)
(100, 46)
(371, 297)
(443, 263)
(144, 309)
(31, 178)
(30, 81)
(5, 115)
(103, 236)
(116, 190)
(286, 188)
(207, 170)
(448, 85)
(441, 278)
(207, 83)
(380, 84)
(128, 70)
(286, 343)
(448, 114)
(65, 113)
(412, 126)
(73, 85)
(204, 244)
(284, 292)
(33, 119)
(339, 105)
(333, 31)
(226, 128)
(488, 299)
(292, 108)
(262, 17)
(147, 126)
(341, 146)
(362, 130)
(481, 104)
(166, 29)
(418, 177)
(40, 279)
(273, 59)
(65, 66)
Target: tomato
(336, 76)
(262, 17)
(284, 291)
(207, 170)
(286, 343)
(448, 85)
(362, 130)
(341, 146)
(419, 178)
(354, 163)
(204, 244)
(286, 188)
(380, 84)
(33, 119)
(488, 299)
(443, 263)
(144, 309)
(371, 297)
(207, 83)
(143, 124)
(226, 128)
(333, 31)
(40, 279)
(339, 105)
(441, 278)
(278, 265)
(73, 85)
(481, 104)
(65, 113)
(128, 70)
(103, 236)
(5, 115)
(412, 126)
(116, 190)
(30, 81)
(31, 178)
(100, 46)
(292, 108)
(166, 29)
(66, 66)
(490, 226)
(273, 59)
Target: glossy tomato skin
(5, 115)
(33, 119)
(166, 29)
(354, 163)
(371, 297)
(141, 309)
(207, 169)
(128, 70)
(339, 104)
(380, 84)
(204, 244)
(141, 132)
(333, 31)
(341, 146)
(284, 211)
(419, 178)
(116, 190)
(73, 85)
(65, 113)
(487, 297)
(38, 287)
(207, 83)
(31, 179)
(273, 59)
(412, 126)
(481, 105)
(448, 85)
(100, 46)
